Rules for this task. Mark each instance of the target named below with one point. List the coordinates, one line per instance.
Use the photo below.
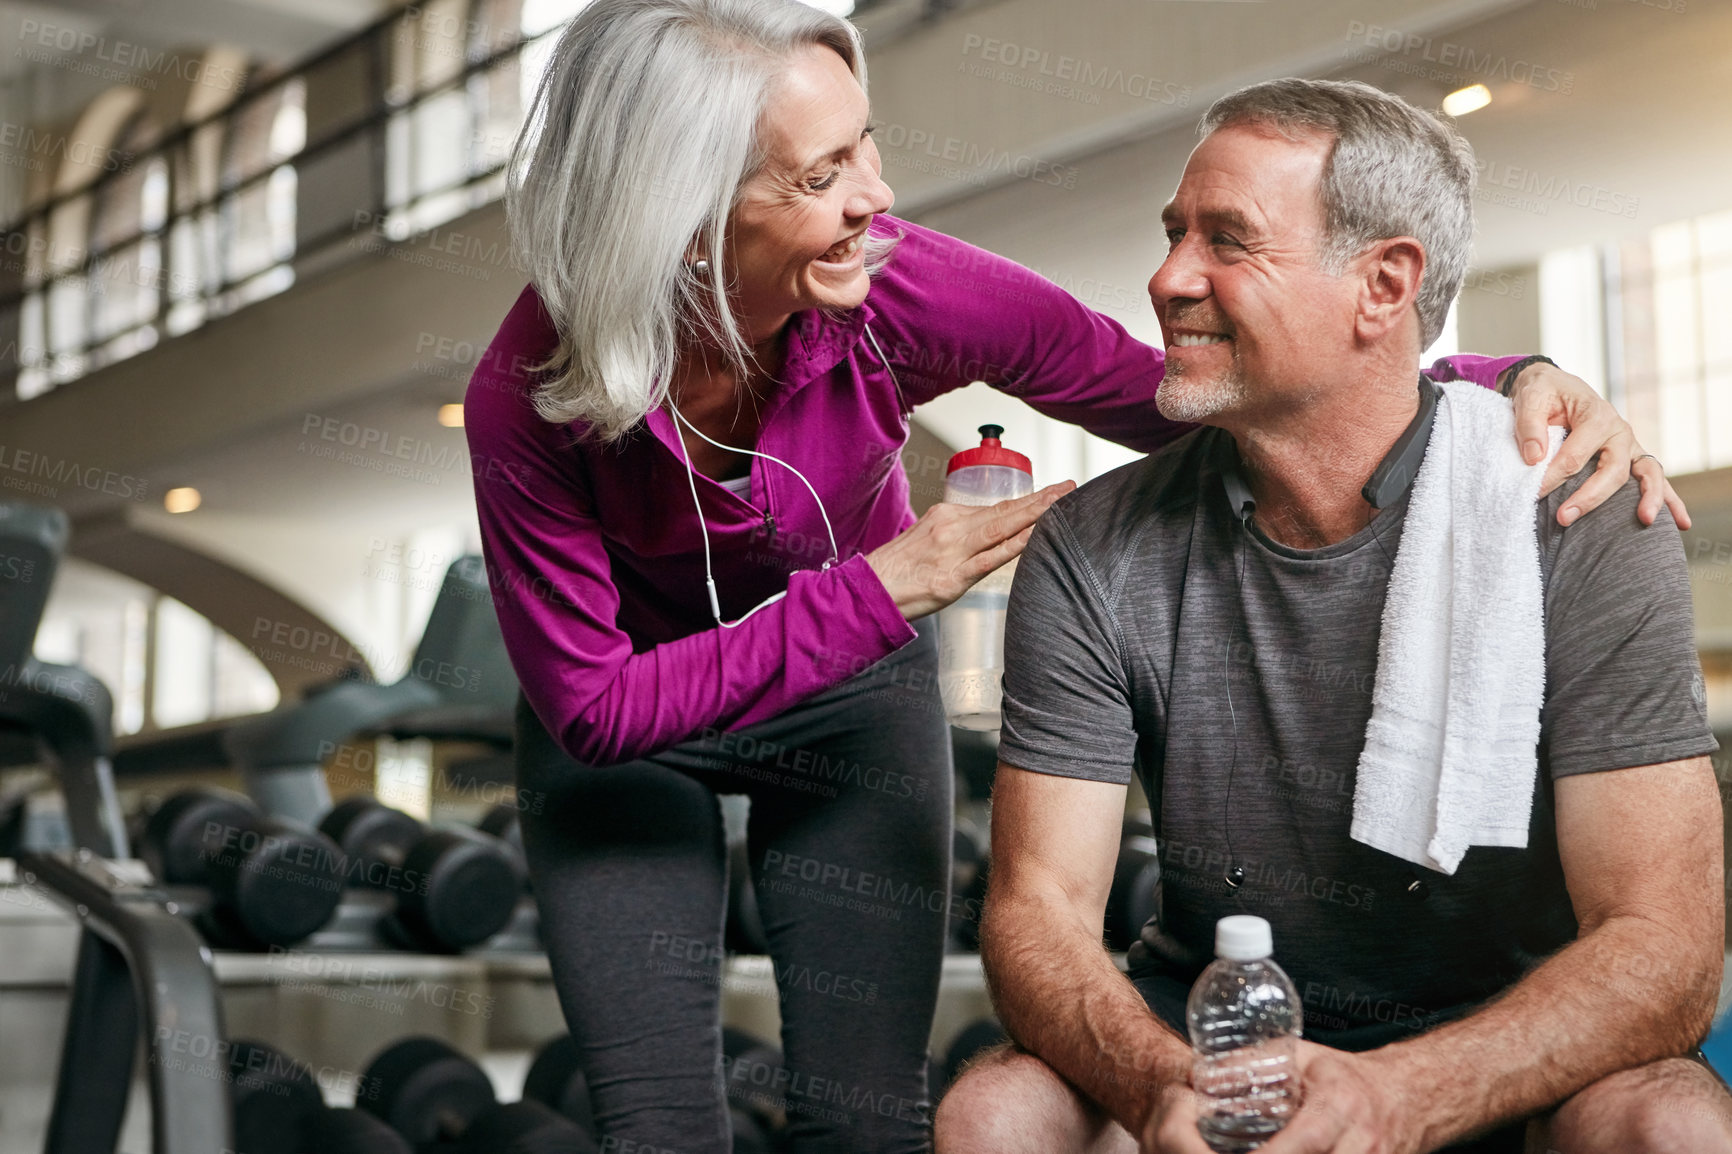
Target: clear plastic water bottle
(1245, 1023)
(971, 629)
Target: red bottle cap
(990, 452)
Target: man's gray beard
(1194, 401)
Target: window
(1670, 349)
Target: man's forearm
(1627, 993)
(1060, 996)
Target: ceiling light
(183, 500)
(451, 416)
(1465, 100)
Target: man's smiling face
(1250, 317)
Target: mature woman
(686, 442)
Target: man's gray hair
(1393, 170)
(641, 134)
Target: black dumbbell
(526, 1127)
(975, 1038)
(1135, 894)
(750, 1137)
(975, 756)
(439, 1099)
(279, 1110)
(343, 1131)
(273, 1096)
(505, 823)
(272, 884)
(750, 1068)
(752, 1071)
(968, 868)
(556, 1081)
(426, 1091)
(743, 931)
(455, 888)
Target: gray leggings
(849, 840)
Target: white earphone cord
(703, 529)
(692, 482)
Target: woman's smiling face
(796, 237)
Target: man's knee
(1672, 1106)
(1005, 1099)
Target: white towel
(1450, 752)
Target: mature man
(1317, 237)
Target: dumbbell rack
(137, 959)
(143, 964)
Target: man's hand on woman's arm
(1546, 395)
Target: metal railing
(357, 172)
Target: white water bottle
(1245, 1024)
(971, 629)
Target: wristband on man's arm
(1506, 382)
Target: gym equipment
(750, 1137)
(437, 1098)
(526, 1127)
(273, 1097)
(426, 1090)
(743, 933)
(1135, 894)
(58, 710)
(556, 1080)
(968, 866)
(345, 1131)
(141, 969)
(975, 755)
(505, 823)
(975, 1038)
(454, 888)
(270, 884)
(459, 686)
(752, 1068)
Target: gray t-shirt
(1148, 630)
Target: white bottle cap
(1243, 938)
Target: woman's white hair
(1393, 170)
(640, 137)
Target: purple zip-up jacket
(594, 554)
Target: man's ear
(1389, 286)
